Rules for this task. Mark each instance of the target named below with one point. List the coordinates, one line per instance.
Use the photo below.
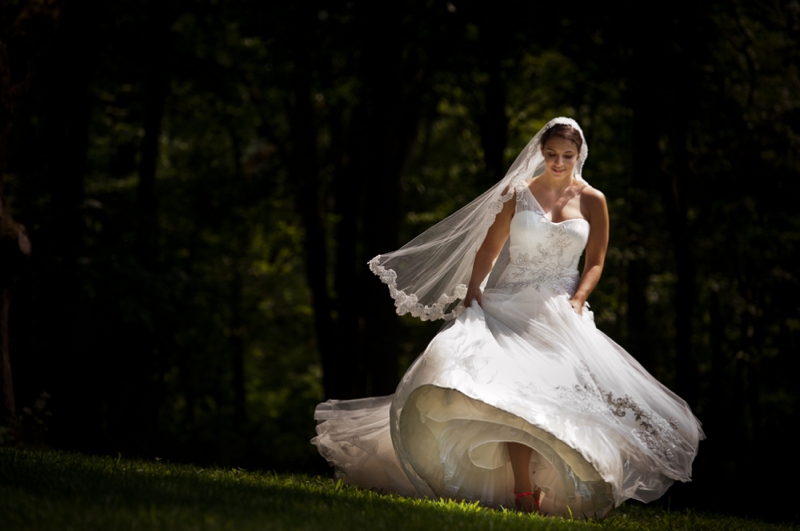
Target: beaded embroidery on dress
(523, 367)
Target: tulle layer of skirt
(522, 368)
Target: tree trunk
(70, 360)
(304, 173)
(685, 288)
(392, 119)
(492, 120)
(6, 381)
(237, 324)
(237, 347)
(7, 252)
(347, 200)
(15, 248)
(646, 161)
(156, 89)
(14, 252)
(15, 245)
(637, 329)
(145, 380)
(669, 168)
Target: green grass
(62, 491)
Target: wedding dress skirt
(524, 367)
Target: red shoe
(535, 494)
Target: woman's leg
(520, 464)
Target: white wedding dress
(524, 367)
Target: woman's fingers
(473, 296)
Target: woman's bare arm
(596, 212)
(489, 250)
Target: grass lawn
(61, 491)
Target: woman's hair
(563, 131)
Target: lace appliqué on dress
(548, 267)
(525, 276)
(655, 432)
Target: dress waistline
(517, 278)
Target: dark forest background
(190, 191)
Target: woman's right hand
(487, 253)
(473, 294)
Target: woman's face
(560, 155)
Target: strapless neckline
(544, 217)
(541, 212)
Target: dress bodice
(543, 254)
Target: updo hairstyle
(564, 131)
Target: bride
(519, 400)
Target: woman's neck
(555, 185)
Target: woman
(519, 400)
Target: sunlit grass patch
(62, 491)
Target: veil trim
(410, 303)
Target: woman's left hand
(577, 306)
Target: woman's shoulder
(592, 195)
(593, 203)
